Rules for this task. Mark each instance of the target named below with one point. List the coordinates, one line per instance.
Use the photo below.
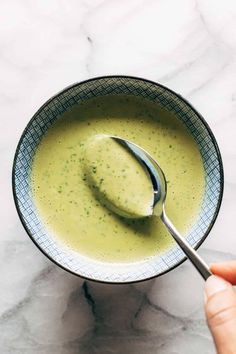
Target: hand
(220, 306)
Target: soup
(117, 178)
(66, 203)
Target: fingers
(226, 270)
(220, 310)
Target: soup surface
(66, 202)
(117, 178)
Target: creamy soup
(63, 179)
(118, 180)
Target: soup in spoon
(116, 178)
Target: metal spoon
(160, 190)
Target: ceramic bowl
(50, 112)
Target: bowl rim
(214, 141)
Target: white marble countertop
(189, 46)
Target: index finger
(226, 270)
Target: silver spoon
(160, 190)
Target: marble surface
(190, 46)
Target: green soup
(61, 182)
(118, 180)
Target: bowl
(50, 112)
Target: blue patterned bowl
(49, 113)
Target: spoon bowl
(154, 171)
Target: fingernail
(214, 285)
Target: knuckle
(220, 312)
(222, 317)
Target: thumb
(220, 310)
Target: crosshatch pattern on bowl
(50, 112)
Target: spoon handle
(190, 252)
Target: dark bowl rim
(155, 84)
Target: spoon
(158, 208)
